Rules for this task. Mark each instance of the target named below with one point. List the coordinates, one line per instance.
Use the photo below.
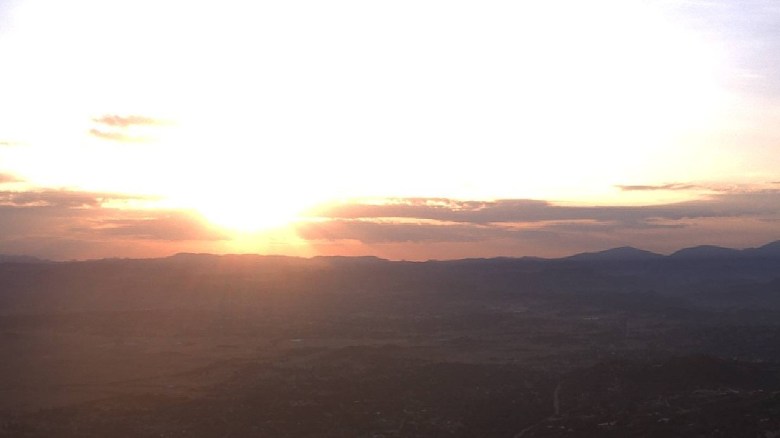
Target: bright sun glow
(279, 107)
(350, 99)
(217, 125)
(248, 216)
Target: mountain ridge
(705, 251)
(622, 253)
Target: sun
(252, 214)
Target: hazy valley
(618, 343)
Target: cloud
(170, 226)
(125, 121)
(63, 224)
(447, 228)
(440, 209)
(34, 221)
(119, 128)
(85, 213)
(58, 198)
(104, 224)
(370, 232)
(673, 186)
(115, 136)
(384, 232)
(732, 204)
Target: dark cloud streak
(125, 121)
(378, 232)
(545, 227)
(674, 186)
(58, 198)
(530, 211)
(115, 136)
(412, 226)
(64, 224)
(169, 226)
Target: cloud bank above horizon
(64, 225)
(407, 129)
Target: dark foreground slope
(208, 346)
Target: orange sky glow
(407, 129)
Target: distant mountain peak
(617, 254)
(356, 260)
(7, 258)
(705, 251)
(770, 249)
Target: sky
(402, 129)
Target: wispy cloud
(57, 198)
(382, 232)
(379, 232)
(672, 186)
(115, 136)
(66, 224)
(732, 204)
(49, 221)
(123, 128)
(165, 225)
(125, 121)
(536, 227)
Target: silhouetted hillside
(625, 253)
(5, 258)
(768, 250)
(618, 343)
(705, 251)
